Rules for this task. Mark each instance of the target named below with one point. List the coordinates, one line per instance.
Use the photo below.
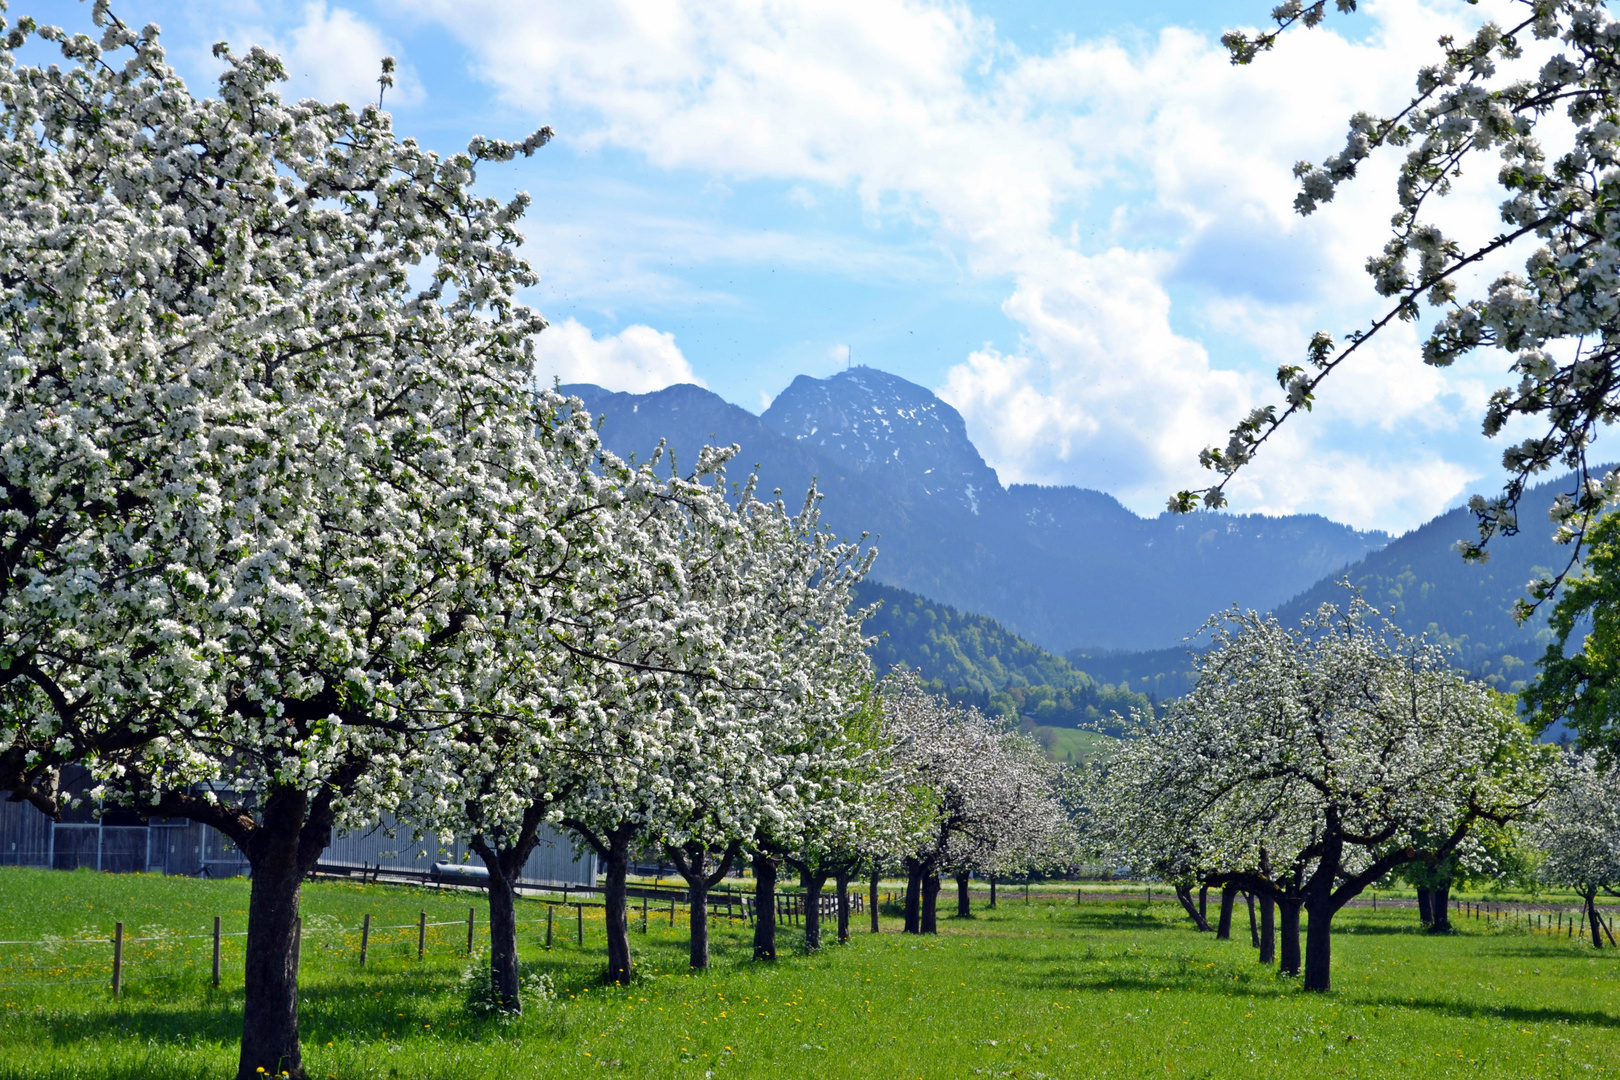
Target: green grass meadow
(1048, 989)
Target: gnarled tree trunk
(1592, 921)
(1223, 929)
(930, 904)
(1289, 931)
(963, 908)
(613, 848)
(992, 891)
(504, 982)
(872, 898)
(504, 858)
(1319, 947)
(1268, 930)
(842, 881)
(1254, 930)
(764, 906)
(813, 884)
(1184, 894)
(914, 878)
(693, 866)
(1425, 907)
(616, 914)
(1440, 910)
(281, 850)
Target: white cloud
(335, 55)
(636, 360)
(1097, 179)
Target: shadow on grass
(389, 1006)
(1517, 1014)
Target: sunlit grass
(1048, 989)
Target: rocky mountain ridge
(1064, 567)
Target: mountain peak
(871, 420)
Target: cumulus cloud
(335, 55)
(636, 360)
(1097, 179)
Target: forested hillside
(976, 660)
(1425, 586)
(1160, 673)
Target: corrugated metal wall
(554, 859)
(181, 846)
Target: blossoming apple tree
(1558, 317)
(1578, 835)
(982, 795)
(1307, 764)
(273, 467)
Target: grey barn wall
(553, 860)
(181, 846)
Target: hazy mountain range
(1067, 568)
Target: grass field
(1051, 989)
(1072, 744)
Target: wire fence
(155, 953)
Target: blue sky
(1070, 219)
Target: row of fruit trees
(290, 541)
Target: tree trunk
(1254, 931)
(841, 879)
(963, 907)
(812, 909)
(699, 892)
(872, 899)
(1184, 894)
(503, 959)
(1290, 936)
(505, 864)
(616, 914)
(764, 907)
(281, 850)
(1203, 905)
(1592, 921)
(992, 891)
(1319, 948)
(1268, 930)
(693, 864)
(1440, 910)
(914, 876)
(1223, 929)
(930, 904)
(1425, 907)
(613, 848)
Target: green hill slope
(975, 660)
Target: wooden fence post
(643, 913)
(365, 938)
(216, 951)
(118, 959)
(579, 916)
(549, 910)
(421, 935)
(672, 911)
(470, 930)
